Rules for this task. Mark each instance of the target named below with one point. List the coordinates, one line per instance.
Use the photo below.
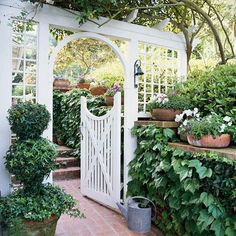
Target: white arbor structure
(25, 56)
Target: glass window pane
(17, 65)
(30, 41)
(16, 101)
(30, 90)
(30, 78)
(30, 66)
(17, 77)
(18, 52)
(31, 53)
(17, 90)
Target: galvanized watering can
(138, 218)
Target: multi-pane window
(24, 61)
(160, 67)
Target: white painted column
(44, 83)
(5, 99)
(130, 111)
(182, 64)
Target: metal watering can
(138, 218)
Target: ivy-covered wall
(195, 193)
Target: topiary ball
(31, 160)
(28, 121)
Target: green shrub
(38, 205)
(28, 120)
(31, 160)
(195, 193)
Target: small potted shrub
(165, 107)
(183, 119)
(60, 83)
(83, 83)
(109, 95)
(97, 88)
(35, 208)
(211, 131)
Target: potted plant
(183, 119)
(97, 88)
(165, 107)
(60, 83)
(36, 208)
(109, 95)
(83, 83)
(211, 131)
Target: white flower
(195, 111)
(165, 100)
(188, 112)
(227, 119)
(230, 123)
(222, 128)
(178, 118)
(197, 115)
(185, 122)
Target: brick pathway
(99, 221)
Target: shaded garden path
(99, 221)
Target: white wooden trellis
(100, 153)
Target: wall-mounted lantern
(137, 72)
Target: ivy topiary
(28, 121)
(31, 160)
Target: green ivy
(195, 193)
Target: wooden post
(5, 99)
(130, 111)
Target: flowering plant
(96, 83)
(212, 124)
(171, 101)
(112, 91)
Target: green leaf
(230, 232)
(218, 227)
(168, 133)
(204, 172)
(206, 198)
(191, 185)
(204, 219)
(184, 172)
(195, 163)
(216, 211)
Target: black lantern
(137, 71)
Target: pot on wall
(209, 141)
(61, 83)
(164, 114)
(83, 85)
(110, 99)
(35, 228)
(96, 91)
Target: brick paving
(99, 221)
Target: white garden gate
(101, 154)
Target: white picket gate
(100, 154)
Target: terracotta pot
(83, 85)
(61, 83)
(109, 100)
(164, 114)
(96, 91)
(210, 141)
(36, 228)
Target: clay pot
(164, 114)
(109, 100)
(36, 228)
(61, 83)
(209, 141)
(83, 85)
(96, 91)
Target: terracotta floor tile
(99, 221)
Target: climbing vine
(195, 193)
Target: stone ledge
(229, 152)
(159, 124)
